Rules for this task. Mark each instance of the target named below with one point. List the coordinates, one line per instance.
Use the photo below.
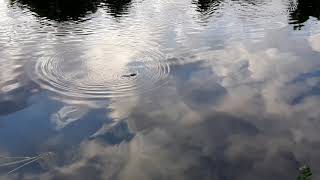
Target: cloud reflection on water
(240, 110)
(253, 132)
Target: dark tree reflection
(206, 6)
(60, 10)
(304, 10)
(63, 10)
(118, 8)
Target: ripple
(103, 73)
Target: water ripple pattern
(114, 72)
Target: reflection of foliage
(304, 10)
(64, 10)
(60, 10)
(117, 7)
(304, 173)
(204, 6)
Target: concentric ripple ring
(102, 72)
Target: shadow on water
(305, 9)
(64, 10)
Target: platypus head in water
(129, 75)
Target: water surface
(159, 89)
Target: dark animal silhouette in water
(129, 75)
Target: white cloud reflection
(261, 128)
(314, 41)
(244, 111)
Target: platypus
(129, 75)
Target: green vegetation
(305, 173)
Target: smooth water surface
(159, 89)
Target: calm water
(159, 89)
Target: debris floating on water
(43, 159)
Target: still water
(159, 89)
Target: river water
(159, 89)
